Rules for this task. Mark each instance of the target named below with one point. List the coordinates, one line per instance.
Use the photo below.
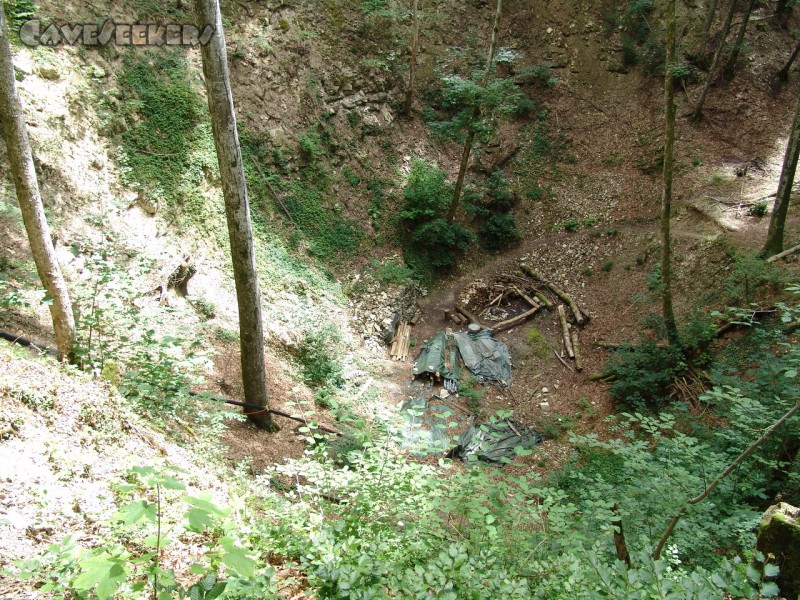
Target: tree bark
(783, 74)
(712, 10)
(412, 75)
(730, 66)
(697, 114)
(774, 243)
(23, 172)
(476, 113)
(666, 202)
(782, 12)
(237, 212)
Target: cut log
(580, 318)
(470, 317)
(524, 296)
(562, 316)
(576, 348)
(783, 254)
(544, 300)
(509, 323)
(605, 376)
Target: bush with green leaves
(499, 232)
(427, 192)
(317, 355)
(158, 510)
(644, 372)
(748, 275)
(463, 106)
(433, 239)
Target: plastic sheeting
(439, 356)
(428, 424)
(486, 357)
(496, 442)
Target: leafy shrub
(499, 232)
(17, 12)
(644, 373)
(759, 209)
(468, 389)
(317, 358)
(311, 146)
(571, 225)
(749, 274)
(391, 272)
(427, 192)
(442, 242)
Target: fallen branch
(563, 362)
(739, 460)
(544, 300)
(562, 316)
(509, 323)
(471, 317)
(783, 254)
(576, 348)
(605, 376)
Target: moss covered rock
(779, 535)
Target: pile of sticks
(401, 342)
(538, 293)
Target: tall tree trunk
(782, 12)
(730, 66)
(666, 200)
(712, 10)
(774, 243)
(412, 75)
(697, 114)
(783, 74)
(30, 201)
(237, 211)
(476, 113)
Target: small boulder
(779, 535)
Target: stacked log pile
(536, 292)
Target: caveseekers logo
(35, 33)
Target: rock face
(779, 534)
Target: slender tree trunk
(412, 75)
(30, 201)
(476, 113)
(774, 243)
(712, 11)
(730, 66)
(697, 114)
(783, 74)
(237, 211)
(782, 12)
(666, 201)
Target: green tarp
(485, 357)
(496, 442)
